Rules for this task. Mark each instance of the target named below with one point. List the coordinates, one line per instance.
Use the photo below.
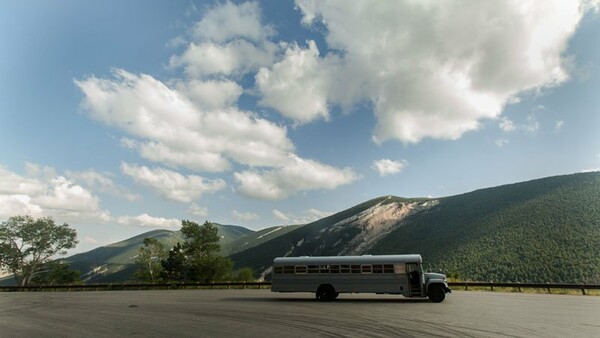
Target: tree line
(28, 248)
(196, 260)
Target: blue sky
(122, 117)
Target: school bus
(328, 276)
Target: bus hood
(436, 276)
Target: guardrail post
(519, 286)
(583, 289)
(492, 286)
(548, 283)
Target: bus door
(414, 279)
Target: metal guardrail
(519, 286)
(259, 285)
(134, 286)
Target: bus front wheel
(436, 293)
(325, 293)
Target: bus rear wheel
(436, 293)
(325, 293)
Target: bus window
(313, 269)
(355, 268)
(301, 269)
(278, 270)
(335, 268)
(377, 268)
(324, 269)
(399, 269)
(345, 269)
(388, 268)
(288, 269)
(367, 269)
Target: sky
(121, 117)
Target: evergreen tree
(201, 251)
(174, 265)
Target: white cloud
(532, 125)
(387, 167)
(43, 194)
(234, 58)
(296, 86)
(558, 125)
(101, 182)
(245, 216)
(172, 185)
(507, 125)
(307, 216)
(501, 142)
(412, 62)
(280, 215)
(211, 94)
(145, 220)
(296, 175)
(170, 129)
(229, 40)
(227, 21)
(197, 210)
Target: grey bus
(329, 276)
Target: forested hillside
(116, 262)
(546, 230)
(338, 234)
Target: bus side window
(288, 269)
(335, 269)
(399, 269)
(301, 269)
(313, 269)
(367, 269)
(388, 268)
(324, 269)
(278, 270)
(355, 268)
(345, 269)
(377, 268)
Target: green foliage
(245, 275)
(206, 269)
(118, 259)
(545, 230)
(198, 258)
(200, 240)
(174, 265)
(26, 244)
(56, 273)
(149, 260)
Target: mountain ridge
(541, 230)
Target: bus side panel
(372, 283)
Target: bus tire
(436, 293)
(325, 293)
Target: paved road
(258, 313)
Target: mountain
(544, 230)
(116, 262)
(256, 238)
(349, 232)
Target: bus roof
(366, 259)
